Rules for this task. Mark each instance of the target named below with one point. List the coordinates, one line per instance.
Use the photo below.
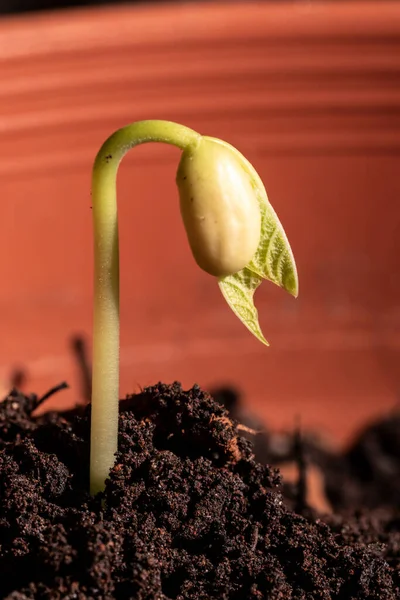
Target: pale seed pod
(219, 208)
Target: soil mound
(187, 514)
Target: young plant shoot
(234, 235)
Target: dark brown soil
(187, 514)
(364, 475)
(370, 473)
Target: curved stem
(105, 379)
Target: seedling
(232, 230)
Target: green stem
(105, 382)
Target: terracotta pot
(310, 93)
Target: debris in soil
(81, 355)
(187, 514)
(315, 499)
(54, 390)
(367, 474)
(16, 415)
(18, 378)
(250, 425)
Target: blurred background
(17, 6)
(310, 93)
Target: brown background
(310, 93)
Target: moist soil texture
(366, 474)
(188, 513)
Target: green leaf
(273, 259)
(238, 290)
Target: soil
(188, 513)
(364, 475)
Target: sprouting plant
(232, 230)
